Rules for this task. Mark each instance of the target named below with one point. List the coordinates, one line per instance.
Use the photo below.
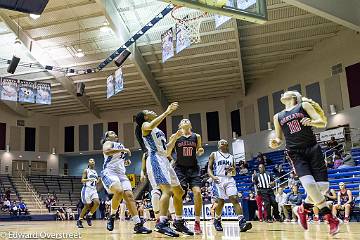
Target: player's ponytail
(104, 138)
(314, 104)
(317, 108)
(140, 119)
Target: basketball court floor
(123, 230)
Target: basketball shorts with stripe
(88, 194)
(225, 189)
(160, 171)
(109, 178)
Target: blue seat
(344, 174)
(357, 168)
(345, 180)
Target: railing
(333, 149)
(33, 193)
(276, 180)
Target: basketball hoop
(189, 21)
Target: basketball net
(189, 22)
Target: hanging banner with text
(337, 133)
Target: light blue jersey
(115, 163)
(155, 142)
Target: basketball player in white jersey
(116, 182)
(89, 193)
(222, 169)
(158, 169)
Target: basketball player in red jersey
(295, 124)
(187, 147)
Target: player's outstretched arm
(84, 178)
(277, 141)
(171, 144)
(315, 119)
(109, 150)
(148, 126)
(199, 149)
(143, 168)
(211, 168)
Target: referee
(264, 183)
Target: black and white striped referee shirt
(263, 180)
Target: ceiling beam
(241, 67)
(187, 67)
(279, 53)
(290, 41)
(43, 58)
(287, 31)
(346, 13)
(122, 32)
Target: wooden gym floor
(123, 230)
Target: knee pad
(156, 193)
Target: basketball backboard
(247, 10)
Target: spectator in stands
(332, 143)
(6, 205)
(293, 180)
(8, 194)
(338, 161)
(252, 206)
(281, 198)
(347, 160)
(243, 170)
(330, 197)
(60, 214)
(293, 199)
(261, 158)
(14, 209)
(70, 215)
(344, 202)
(23, 208)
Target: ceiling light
(81, 153)
(105, 28)
(79, 53)
(34, 16)
(20, 156)
(38, 157)
(332, 109)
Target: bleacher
(5, 183)
(350, 175)
(66, 188)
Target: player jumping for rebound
(158, 169)
(116, 182)
(295, 125)
(187, 147)
(222, 169)
(89, 193)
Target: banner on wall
(228, 212)
(43, 93)
(132, 179)
(119, 81)
(27, 91)
(167, 45)
(110, 88)
(338, 133)
(9, 89)
(238, 148)
(182, 39)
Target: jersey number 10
(294, 126)
(187, 151)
